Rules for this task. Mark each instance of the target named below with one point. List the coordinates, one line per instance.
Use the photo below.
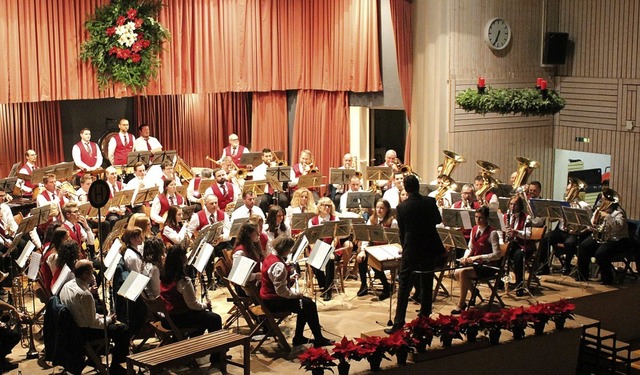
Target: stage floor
(346, 315)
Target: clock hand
(497, 36)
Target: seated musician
(86, 154)
(610, 237)
(83, 190)
(174, 231)
(211, 214)
(163, 201)
(301, 202)
(222, 189)
(518, 227)
(49, 270)
(278, 296)
(232, 172)
(245, 245)
(140, 221)
(276, 226)
(490, 198)
(115, 212)
(26, 187)
(153, 259)
(193, 189)
(77, 296)
(168, 173)
(9, 338)
(249, 208)
(483, 249)
(468, 202)
(535, 190)
(354, 186)
(390, 160)
(78, 228)
(445, 200)
(338, 189)
(325, 212)
(392, 195)
(179, 295)
(133, 313)
(270, 195)
(264, 239)
(67, 255)
(381, 217)
(50, 195)
(137, 183)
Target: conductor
(422, 249)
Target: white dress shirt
(140, 144)
(76, 296)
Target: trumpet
(67, 189)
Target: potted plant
(399, 344)
(541, 313)
(421, 332)
(470, 322)
(493, 323)
(447, 328)
(316, 360)
(345, 351)
(518, 319)
(561, 311)
(373, 349)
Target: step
(598, 333)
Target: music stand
(42, 213)
(258, 187)
(340, 176)
(138, 156)
(235, 226)
(14, 169)
(336, 229)
(503, 190)
(370, 233)
(280, 173)
(503, 203)
(452, 238)
(7, 184)
(27, 224)
(378, 173)
(36, 177)
(205, 183)
(313, 234)
(127, 197)
(576, 216)
(274, 183)
(426, 189)
(187, 211)
(384, 253)
(251, 158)
(160, 157)
(458, 218)
(181, 189)
(64, 170)
(300, 220)
(548, 208)
(116, 200)
(494, 220)
(392, 235)
(310, 180)
(359, 199)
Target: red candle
(543, 84)
(539, 82)
(481, 82)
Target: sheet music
(113, 250)
(466, 219)
(34, 265)
(133, 286)
(22, 259)
(320, 255)
(384, 252)
(111, 270)
(65, 275)
(302, 243)
(241, 270)
(503, 225)
(203, 256)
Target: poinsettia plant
(397, 341)
(347, 350)
(372, 346)
(494, 320)
(420, 330)
(541, 312)
(469, 320)
(562, 309)
(518, 318)
(316, 358)
(125, 39)
(446, 327)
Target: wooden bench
(156, 360)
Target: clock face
(497, 34)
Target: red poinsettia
(494, 320)
(470, 319)
(316, 358)
(372, 346)
(562, 309)
(420, 330)
(541, 312)
(132, 13)
(518, 318)
(399, 340)
(347, 350)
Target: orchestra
(163, 230)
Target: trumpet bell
(451, 161)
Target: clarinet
(204, 295)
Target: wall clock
(497, 34)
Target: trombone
(241, 173)
(278, 162)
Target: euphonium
(525, 167)
(601, 232)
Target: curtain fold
(321, 125)
(269, 122)
(216, 46)
(401, 20)
(24, 126)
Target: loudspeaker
(555, 48)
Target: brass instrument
(488, 183)
(525, 168)
(67, 189)
(311, 168)
(184, 170)
(213, 160)
(573, 190)
(278, 162)
(230, 207)
(448, 183)
(451, 161)
(601, 232)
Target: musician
(468, 198)
(422, 249)
(210, 214)
(153, 263)
(193, 189)
(381, 217)
(483, 249)
(518, 225)
(143, 222)
(245, 245)
(27, 169)
(445, 201)
(49, 195)
(78, 228)
(174, 231)
(438, 173)
(121, 144)
(278, 296)
(490, 198)
(9, 338)
(276, 226)
(86, 154)
(234, 149)
(569, 236)
(53, 238)
(338, 189)
(248, 208)
(179, 295)
(326, 211)
(535, 190)
(392, 195)
(115, 212)
(68, 253)
(82, 191)
(163, 201)
(137, 183)
(145, 142)
(354, 186)
(390, 160)
(302, 167)
(168, 173)
(133, 312)
(260, 173)
(77, 296)
(222, 189)
(611, 233)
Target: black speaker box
(555, 48)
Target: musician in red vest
(115, 212)
(49, 194)
(221, 189)
(27, 169)
(78, 228)
(304, 166)
(145, 142)
(193, 189)
(86, 154)
(483, 249)
(490, 198)
(518, 229)
(163, 201)
(468, 202)
(210, 214)
(235, 150)
(121, 144)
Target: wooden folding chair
(266, 318)
(159, 314)
(241, 305)
(533, 263)
(491, 281)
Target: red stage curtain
(216, 46)
(269, 126)
(401, 20)
(195, 125)
(322, 126)
(26, 126)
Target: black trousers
(363, 267)
(603, 253)
(406, 278)
(202, 319)
(306, 310)
(557, 236)
(118, 333)
(9, 338)
(325, 279)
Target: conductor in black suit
(422, 249)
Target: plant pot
(560, 324)
(343, 368)
(518, 332)
(374, 362)
(447, 341)
(472, 334)
(402, 355)
(494, 336)
(421, 346)
(539, 327)
(317, 371)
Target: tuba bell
(451, 161)
(448, 183)
(525, 168)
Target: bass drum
(103, 143)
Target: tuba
(487, 170)
(525, 168)
(573, 190)
(601, 232)
(451, 161)
(448, 183)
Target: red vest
(85, 157)
(481, 245)
(267, 289)
(164, 202)
(122, 150)
(203, 218)
(223, 200)
(74, 235)
(196, 186)
(238, 156)
(115, 188)
(173, 300)
(29, 184)
(521, 221)
(166, 239)
(45, 271)
(256, 268)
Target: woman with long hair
(68, 254)
(246, 246)
(381, 217)
(52, 240)
(132, 261)
(141, 221)
(174, 231)
(179, 295)
(275, 226)
(153, 263)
